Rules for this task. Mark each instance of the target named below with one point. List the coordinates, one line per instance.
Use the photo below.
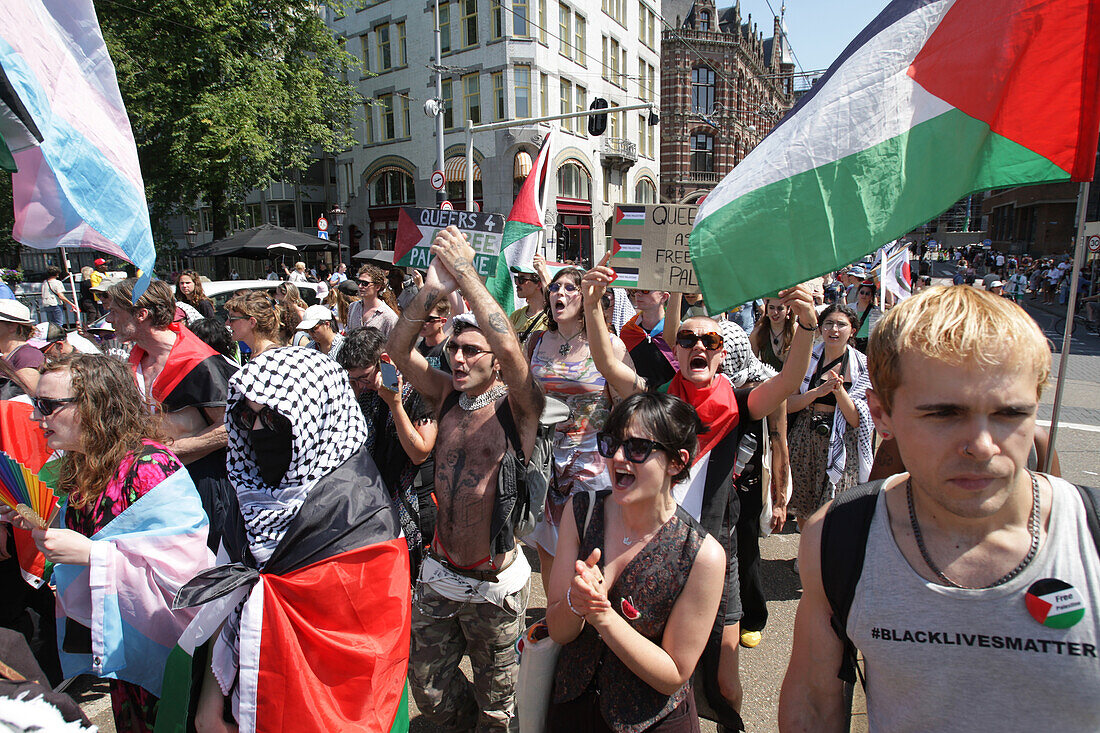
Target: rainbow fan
(23, 491)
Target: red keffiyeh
(716, 405)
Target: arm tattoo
(461, 267)
(498, 323)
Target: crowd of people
(344, 490)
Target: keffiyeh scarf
(861, 382)
(740, 364)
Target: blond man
(976, 607)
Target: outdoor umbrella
(381, 256)
(258, 242)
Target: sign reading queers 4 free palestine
(649, 247)
(416, 229)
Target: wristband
(807, 328)
(569, 602)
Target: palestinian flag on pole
(894, 270)
(932, 101)
(523, 228)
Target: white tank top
(949, 659)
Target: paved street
(762, 668)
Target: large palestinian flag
(933, 100)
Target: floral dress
(135, 708)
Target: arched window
(645, 192)
(393, 187)
(704, 20)
(702, 90)
(573, 182)
(702, 153)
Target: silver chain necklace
(566, 347)
(487, 397)
(1033, 529)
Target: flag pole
(72, 285)
(1071, 312)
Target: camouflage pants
(442, 631)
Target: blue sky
(818, 29)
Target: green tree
(226, 95)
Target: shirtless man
(176, 370)
(471, 595)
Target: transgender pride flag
(81, 185)
(933, 100)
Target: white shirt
(50, 290)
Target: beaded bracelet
(569, 602)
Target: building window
(388, 123)
(368, 117)
(647, 20)
(448, 104)
(445, 27)
(614, 8)
(645, 192)
(382, 33)
(614, 128)
(652, 72)
(702, 153)
(496, 20)
(646, 80)
(566, 104)
(521, 78)
(469, 23)
(471, 92)
(641, 136)
(544, 21)
(704, 20)
(611, 54)
(405, 130)
(565, 31)
(580, 33)
(393, 187)
(573, 182)
(582, 105)
(544, 88)
(402, 55)
(702, 90)
(498, 95)
(520, 13)
(365, 41)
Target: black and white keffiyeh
(861, 382)
(740, 364)
(313, 392)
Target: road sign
(321, 233)
(932, 243)
(1094, 243)
(438, 180)
(447, 206)
(987, 242)
(322, 224)
(416, 228)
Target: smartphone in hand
(389, 375)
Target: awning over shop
(522, 165)
(455, 169)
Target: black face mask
(274, 451)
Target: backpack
(843, 545)
(534, 480)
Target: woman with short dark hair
(637, 582)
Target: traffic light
(597, 124)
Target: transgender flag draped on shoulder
(935, 99)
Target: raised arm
(457, 256)
(766, 398)
(622, 378)
(672, 318)
(432, 384)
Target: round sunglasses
(568, 287)
(635, 450)
(244, 418)
(711, 341)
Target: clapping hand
(588, 590)
(451, 249)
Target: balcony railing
(619, 151)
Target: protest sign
(416, 229)
(649, 247)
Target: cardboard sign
(649, 247)
(416, 229)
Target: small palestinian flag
(1054, 603)
(630, 249)
(625, 277)
(630, 215)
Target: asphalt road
(762, 668)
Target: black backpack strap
(844, 534)
(508, 424)
(1091, 499)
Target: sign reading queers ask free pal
(649, 247)
(416, 229)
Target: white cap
(14, 311)
(314, 315)
(996, 284)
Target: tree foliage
(226, 95)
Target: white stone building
(504, 60)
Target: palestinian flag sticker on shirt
(1054, 603)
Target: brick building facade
(1039, 220)
(723, 87)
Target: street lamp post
(190, 235)
(338, 215)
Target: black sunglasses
(365, 283)
(469, 351)
(711, 341)
(244, 418)
(636, 450)
(47, 406)
(521, 279)
(433, 319)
